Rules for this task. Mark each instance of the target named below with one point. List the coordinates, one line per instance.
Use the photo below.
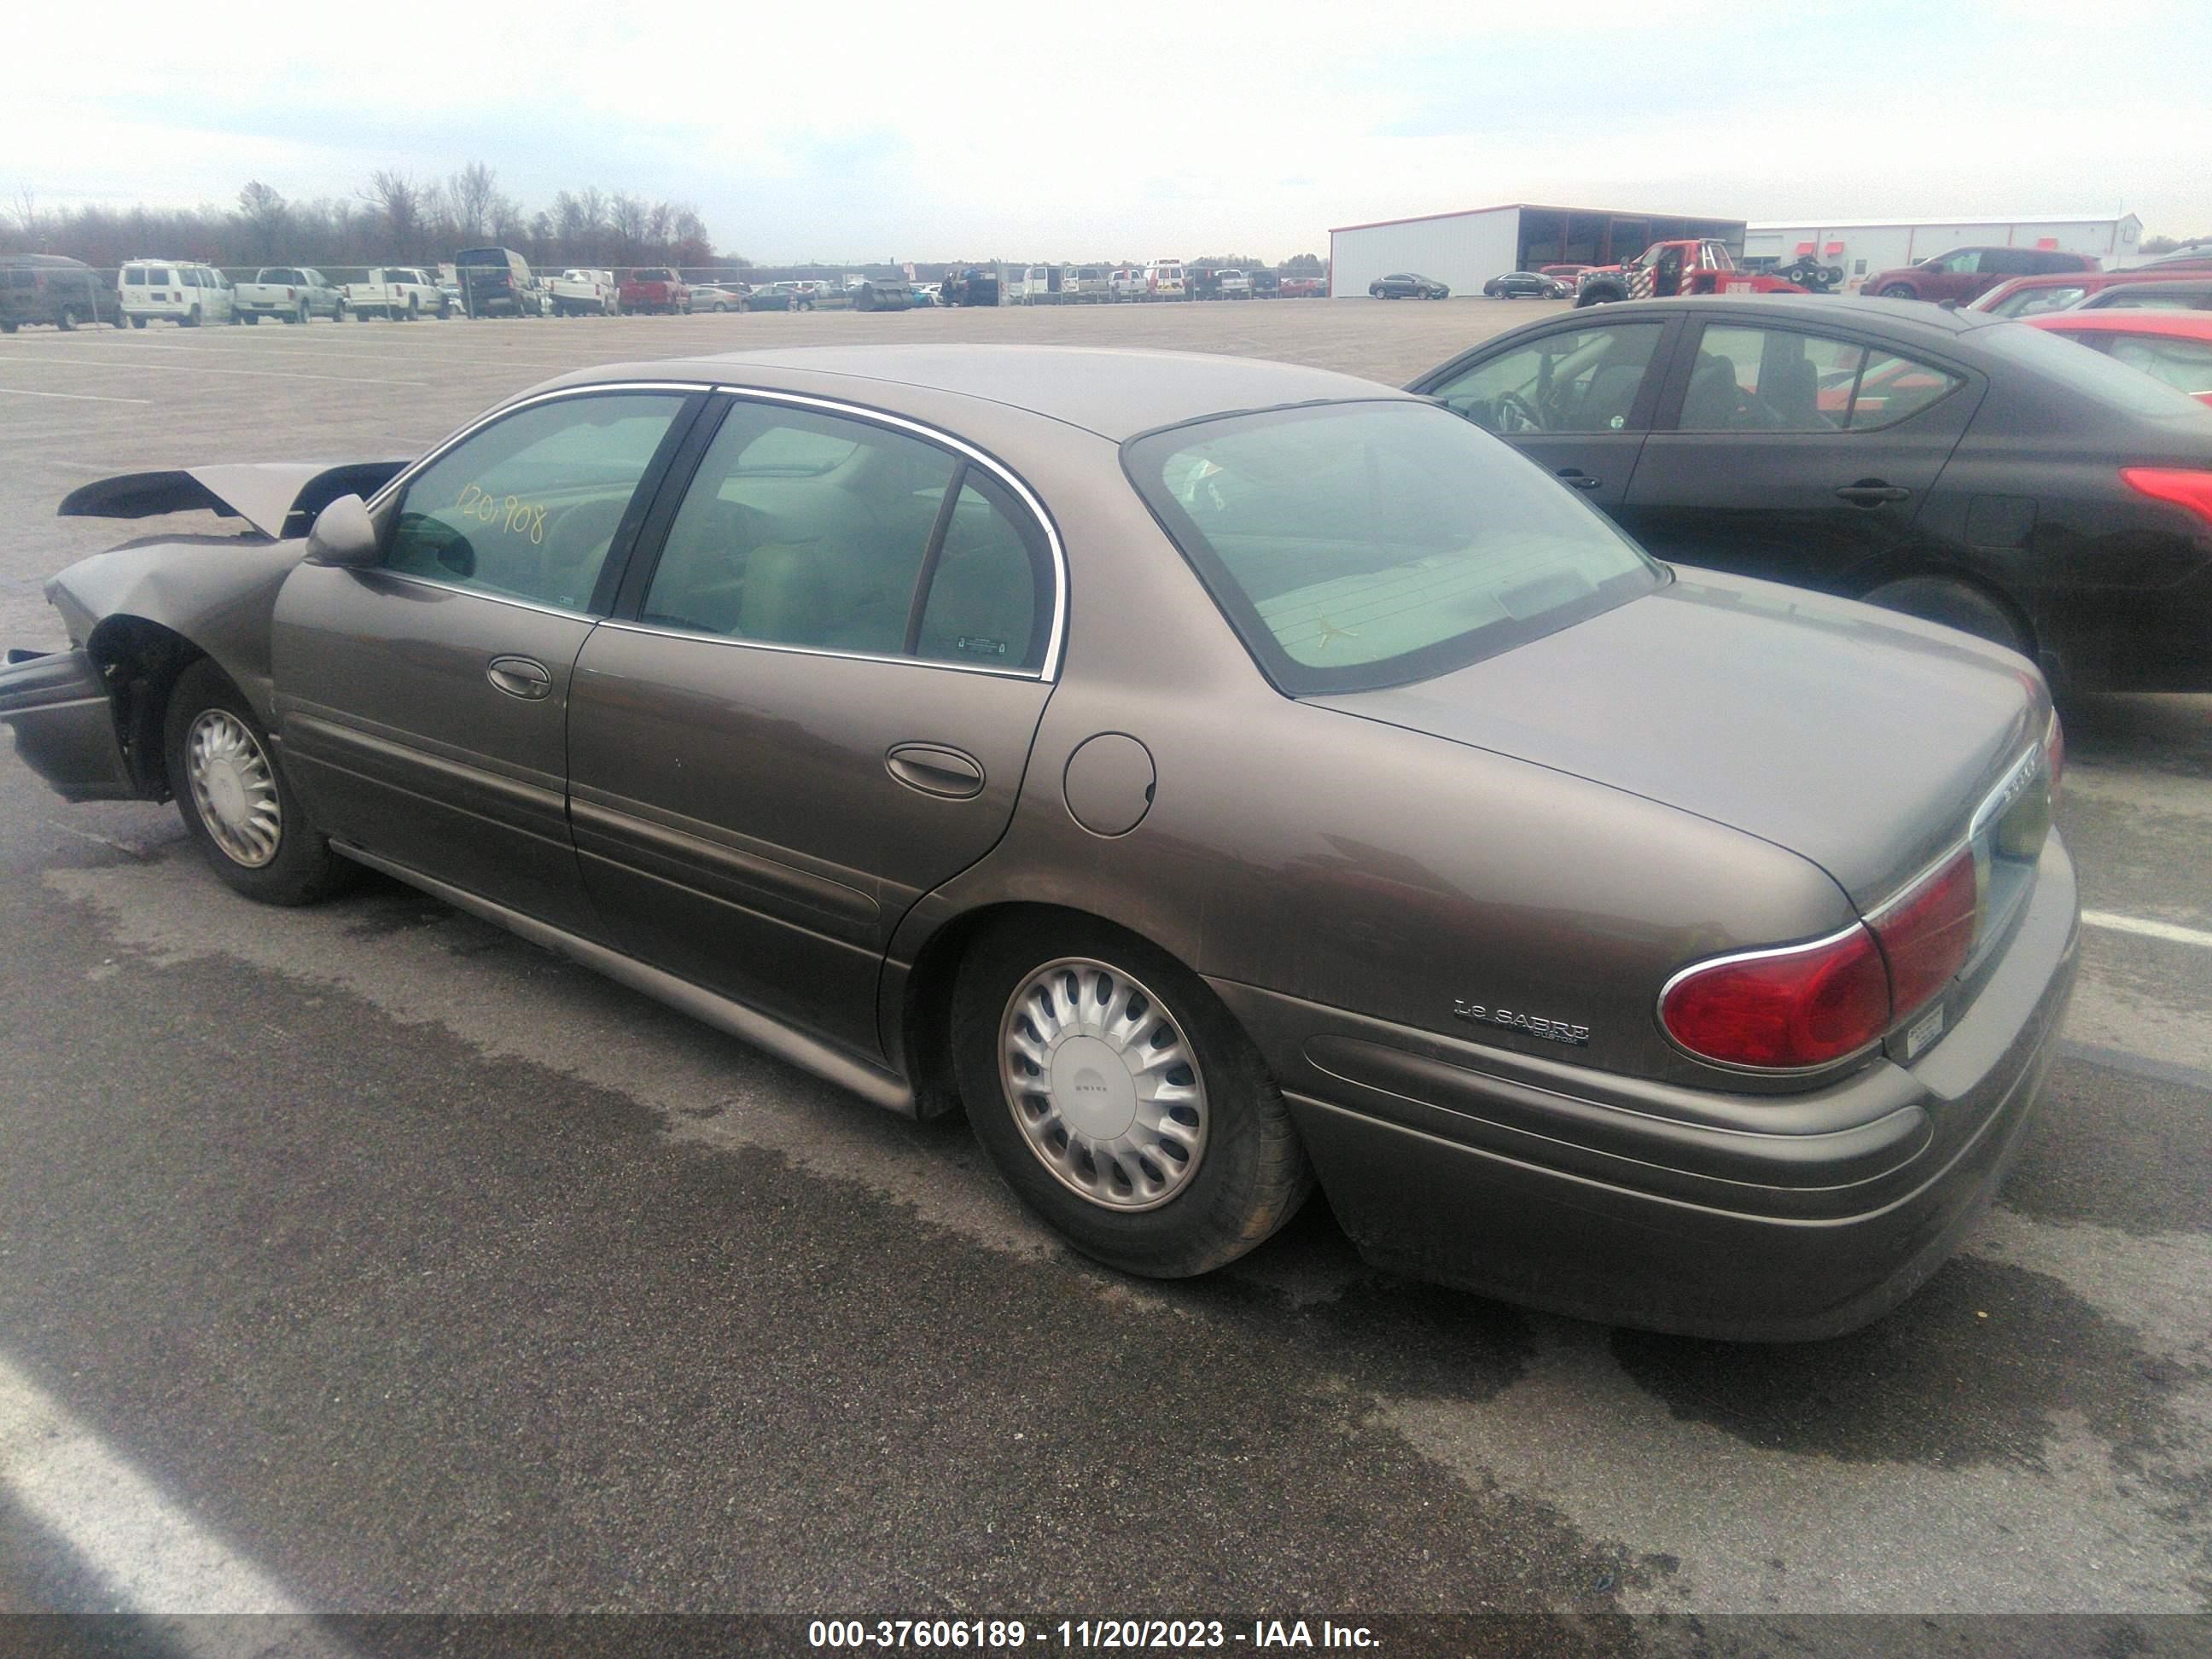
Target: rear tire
(65, 320)
(137, 322)
(1954, 604)
(1179, 1070)
(234, 798)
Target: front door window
(528, 508)
(1583, 380)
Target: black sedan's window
(528, 508)
(1356, 545)
(1583, 380)
(1784, 380)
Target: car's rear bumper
(1827, 1211)
(64, 725)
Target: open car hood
(280, 499)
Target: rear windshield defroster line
(1361, 544)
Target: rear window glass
(2090, 374)
(1357, 545)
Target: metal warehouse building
(1463, 251)
(1866, 247)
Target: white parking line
(154, 1558)
(73, 397)
(2165, 930)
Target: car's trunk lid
(1861, 742)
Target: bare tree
(626, 217)
(266, 216)
(472, 191)
(399, 198)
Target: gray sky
(1138, 129)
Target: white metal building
(1465, 250)
(1866, 247)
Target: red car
(1965, 272)
(2024, 297)
(2173, 346)
(656, 287)
(1304, 288)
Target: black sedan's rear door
(1801, 454)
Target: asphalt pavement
(364, 1258)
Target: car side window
(1583, 380)
(528, 508)
(2029, 302)
(1774, 380)
(2184, 365)
(802, 528)
(989, 598)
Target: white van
(185, 292)
(1165, 280)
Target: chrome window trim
(586, 618)
(438, 452)
(1056, 639)
(701, 638)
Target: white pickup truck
(399, 292)
(291, 293)
(582, 294)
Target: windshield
(1358, 545)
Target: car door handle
(1872, 492)
(1579, 478)
(935, 770)
(521, 676)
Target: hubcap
(232, 787)
(1102, 1084)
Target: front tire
(234, 800)
(1898, 291)
(1119, 1100)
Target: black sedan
(1527, 285)
(1945, 464)
(1408, 285)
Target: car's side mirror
(344, 535)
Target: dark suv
(496, 279)
(47, 288)
(1965, 272)
(1408, 285)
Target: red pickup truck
(653, 287)
(1702, 266)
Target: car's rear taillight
(2054, 753)
(1800, 1005)
(2184, 487)
(1928, 932)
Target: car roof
(1811, 308)
(2134, 319)
(1112, 392)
